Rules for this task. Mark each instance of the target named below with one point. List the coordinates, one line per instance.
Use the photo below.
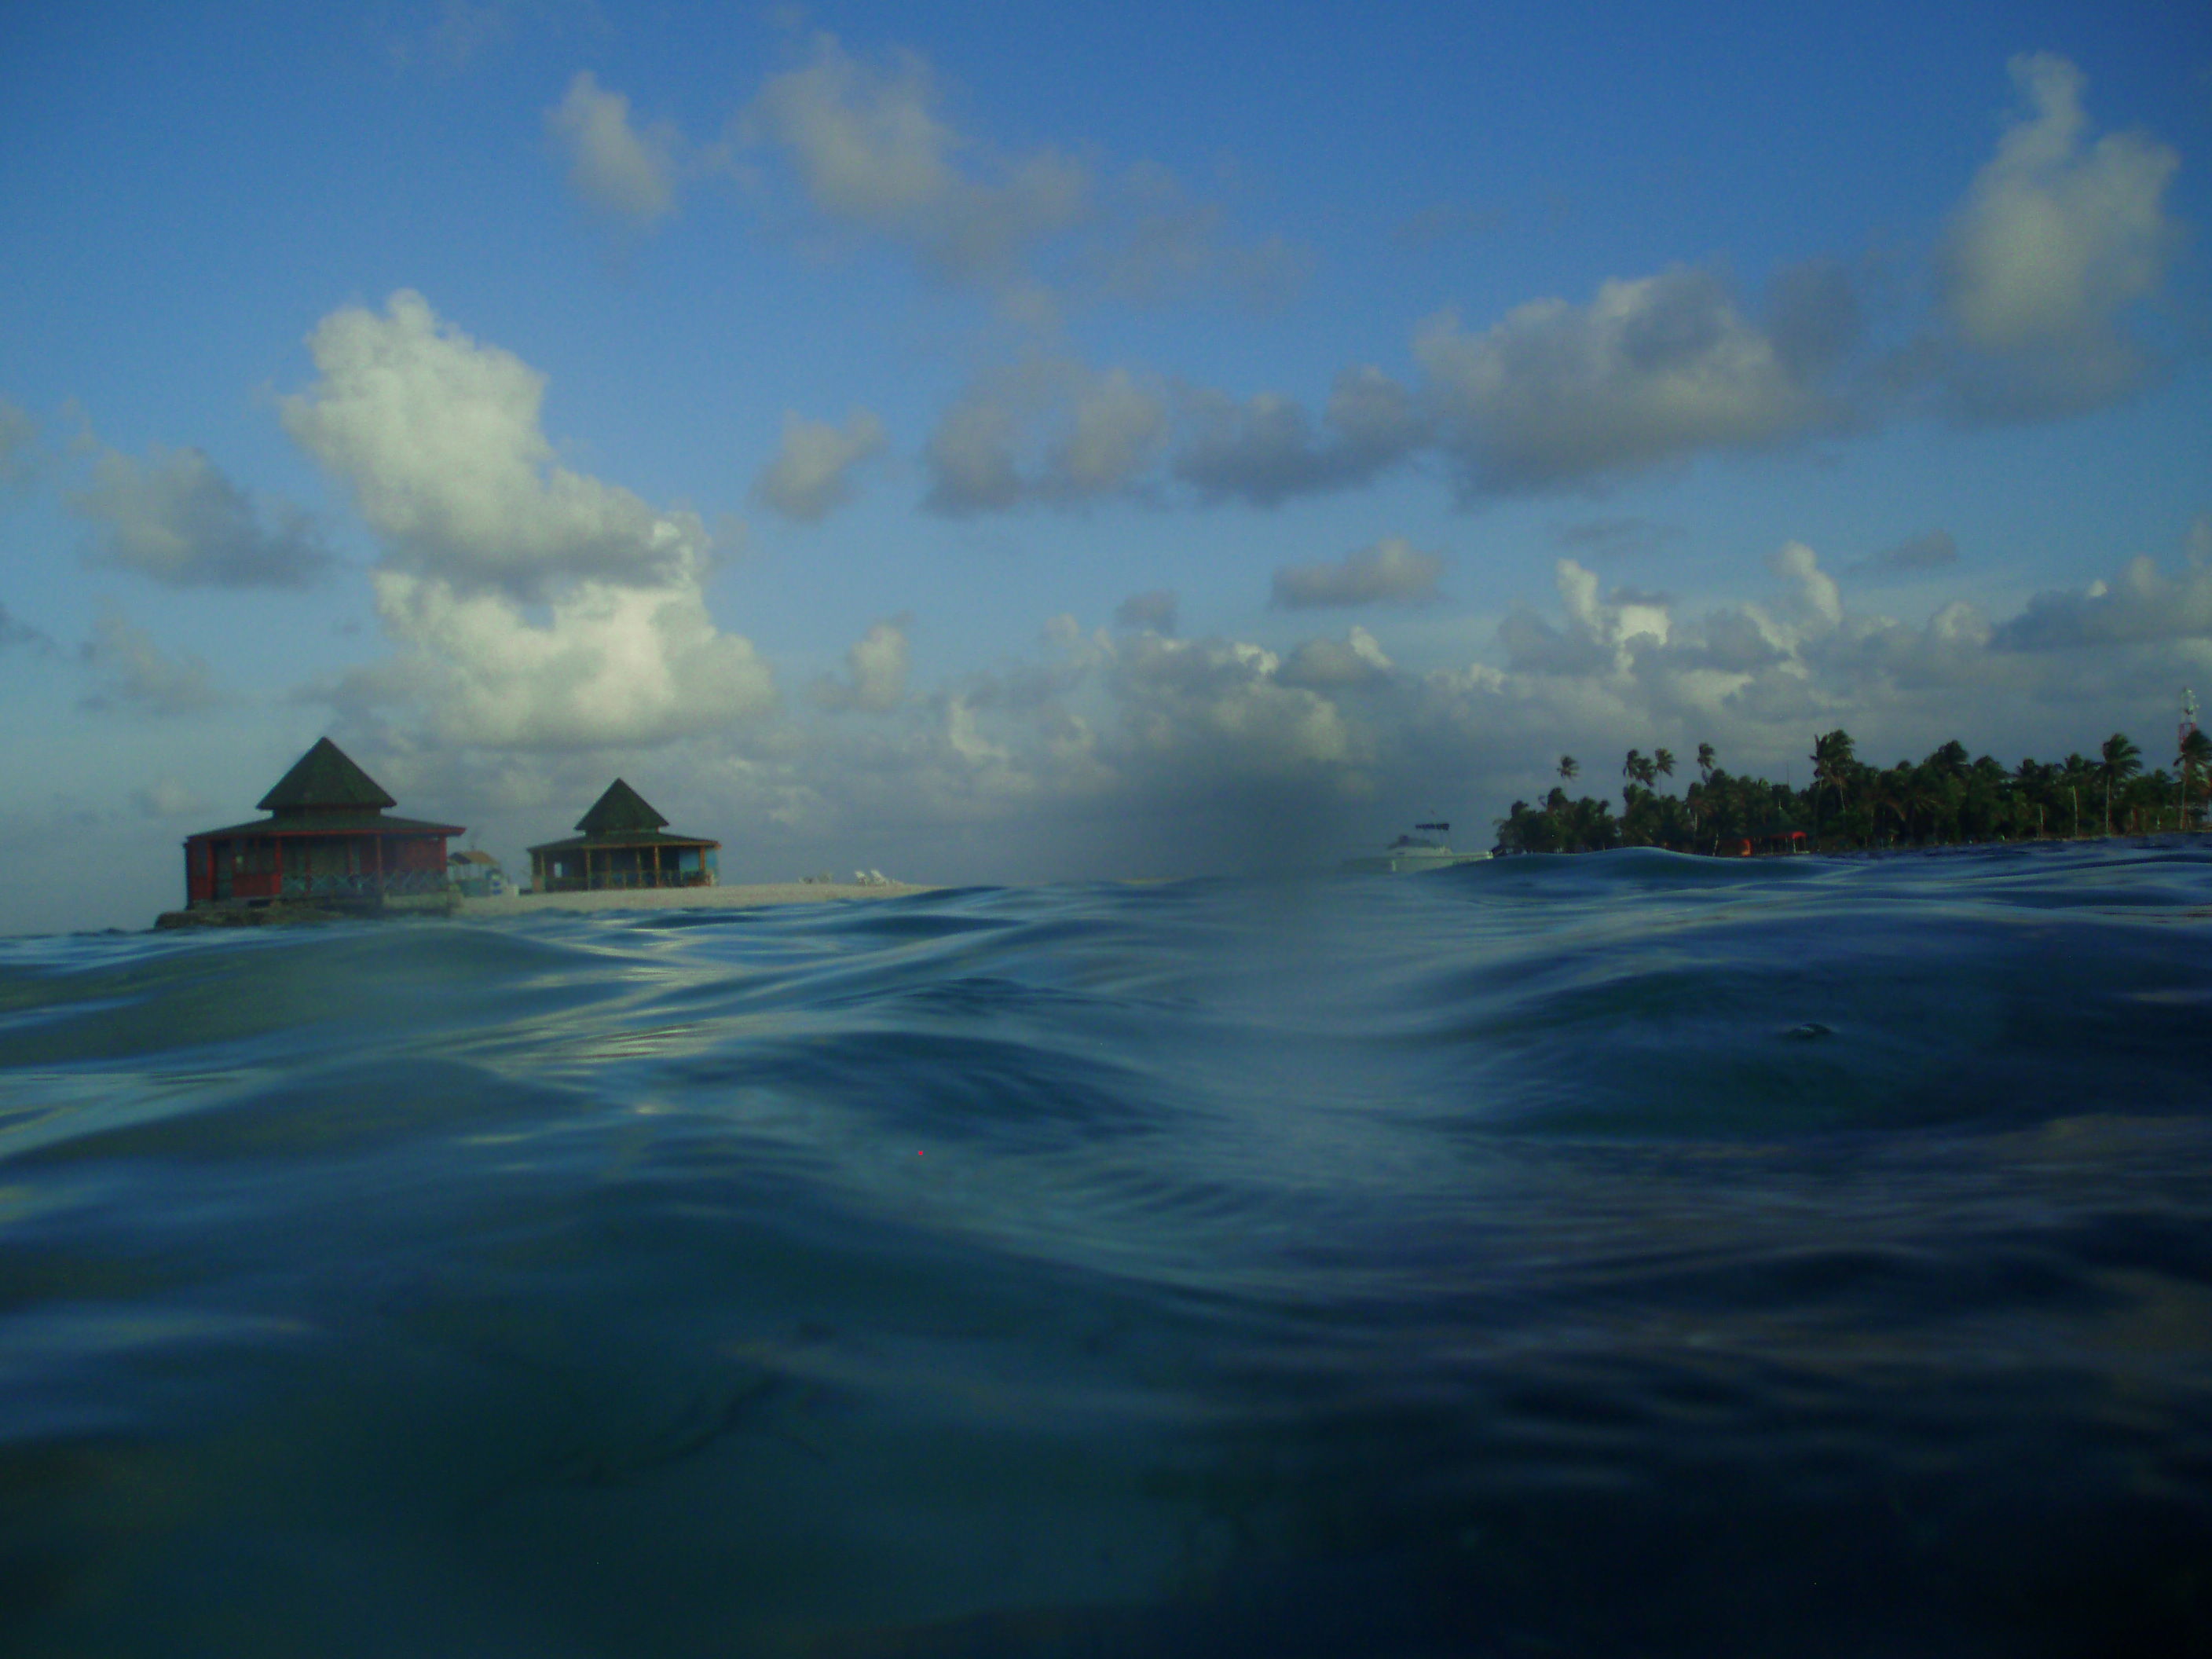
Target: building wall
(255, 867)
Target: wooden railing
(392, 883)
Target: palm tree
(2122, 761)
(2196, 755)
(1831, 759)
(1662, 763)
(1705, 761)
(1568, 767)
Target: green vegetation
(1946, 799)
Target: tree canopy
(1948, 796)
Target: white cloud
(1599, 637)
(633, 665)
(2057, 238)
(1393, 571)
(1218, 709)
(2141, 605)
(876, 668)
(1048, 430)
(177, 519)
(440, 440)
(613, 165)
(1650, 371)
(134, 674)
(812, 470)
(1265, 451)
(1335, 664)
(1120, 754)
(872, 152)
(1115, 428)
(874, 155)
(1816, 601)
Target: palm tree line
(1944, 799)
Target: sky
(989, 444)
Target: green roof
(621, 811)
(323, 777)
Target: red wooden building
(327, 842)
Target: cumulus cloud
(613, 166)
(1266, 451)
(1652, 371)
(2058, 238)
(1115, 428)
(176, 517)
(1816, 600)
(2143, 604)
(876, 668)
(1599, 636)
(18, 432)
(1048, 430)
(1391, 572)
(1220, 706)
(1335, 665)
(812, 470)
(1119, 753)
(872, 151)
(134, 674)
(439, 439)
(535, 608)
(874, 155)
(1764, 672)
(1155, 609)
(636, 666)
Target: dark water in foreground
(1625, 1254)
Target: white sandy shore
(684, 898)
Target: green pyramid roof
(621, 811)
(324, 776)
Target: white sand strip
(684, 898)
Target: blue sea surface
(1620, 1255)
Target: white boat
(1409, 854)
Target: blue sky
(990, 447)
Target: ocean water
(1622, 1254)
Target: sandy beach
(685, 898)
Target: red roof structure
(327, 843)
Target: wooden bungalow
(327, 843)
(623, 844)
